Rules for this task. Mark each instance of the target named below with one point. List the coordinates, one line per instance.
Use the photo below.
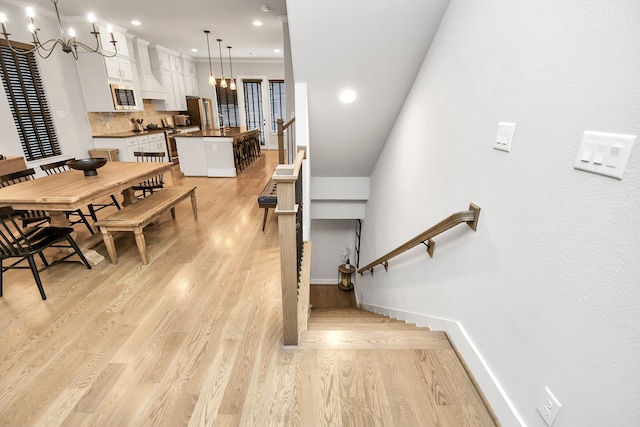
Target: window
(253, 105)
(28, 102)
(228, 105)
(277, 98)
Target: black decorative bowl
(89, 166)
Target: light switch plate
(604, 153)
(504, 137)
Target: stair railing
(295, 255)
(470, 217)
(286, 130)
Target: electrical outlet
(549, 407)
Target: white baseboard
(496, 396)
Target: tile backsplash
(108, 123)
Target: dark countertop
(129, 134)
(208, 133)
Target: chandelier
(68, 44)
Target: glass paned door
(253, 106)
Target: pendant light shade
(223, 81)
(232, 82)
(212, 78)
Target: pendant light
(232, 82)
(212, 78)
(223, 81)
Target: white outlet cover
(504, 137)
(548, 407)
(604, 153)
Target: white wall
(548, 287)
(61, 81)
(330, 238)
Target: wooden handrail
(426, 237)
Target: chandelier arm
(97, 49)
(21, 52)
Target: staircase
(383, 371)
(351, 328)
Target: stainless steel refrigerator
(200, 111)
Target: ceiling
(374, 47)
(179, 25)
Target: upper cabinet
(97, 73)
(167, 67)
(190, 77)
(120, 38)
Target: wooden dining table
(71, 190)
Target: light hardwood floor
(195, 337)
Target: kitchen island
(217, 153)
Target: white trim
(502, 406)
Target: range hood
(150, 86)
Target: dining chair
(25, 243)
(27, 217)
(80, 217)
(157, 181)
(61, 166)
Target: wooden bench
(136, 216)
(268, 198)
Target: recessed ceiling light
(276, 50)
(136, 22)
(194, 50)
(347, 96)
(257, 23)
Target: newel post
(287, 209)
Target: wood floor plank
(364, 339)
(195, 337)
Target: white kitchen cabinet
(190, 77)
(176, 64)
(178, 90)
(158, 143)
(159, 58)
(189, 67)
(169, 66)
(119, 70)
(107, 46)
(127, 146)
(97, 73)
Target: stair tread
(358, 324)
(376, 339)
(345, 312)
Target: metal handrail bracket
(470, 217)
